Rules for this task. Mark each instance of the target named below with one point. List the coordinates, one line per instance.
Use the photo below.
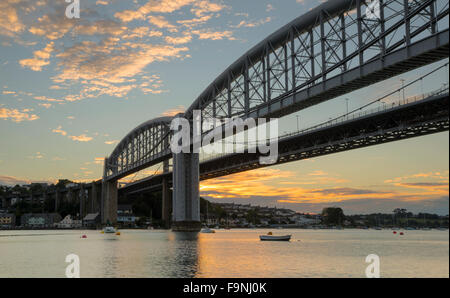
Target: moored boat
(109, 230)
(207, 230)
(270, 237)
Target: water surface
(227, 253)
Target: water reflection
(184, 251)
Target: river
(227, 253)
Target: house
(125, 215)
(7, 220)
(69, 223)
(91, 220)
(40, 220)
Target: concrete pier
(109, 202)
(93, 199)
(82, 196)
(57, 198)
(166, 203)
(166, 198)
(186, 200)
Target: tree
(333, 216)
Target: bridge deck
(427, 116)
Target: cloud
(190, 23)
(108, 67)
(40, 59)
(53, 25)
(160, 22)
(217, 35)
(253, 24)
(38, 155)
(101, 27)
(11, 180)
(178, 40)
(6, 92)
(317, 173)
(269, 7)
(152, 6)
(16, 115)
(45, 98)
(428, 175)
(111, 142)
(273, 186)
(59, 130)
(199, 8)
(99, 160)
(10, 23)
(80, 138)
(46, 105)
(202, 7)
(174, 111)
(140, 32)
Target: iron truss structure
(423, 117)
(335, 48)
(338, 47)
(147, 144)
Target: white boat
(270, 237)
(207, 230)
(109, 230)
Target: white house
(68, 223)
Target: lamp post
(298, 125)
(403, 84)
(346, 102)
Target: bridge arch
(146, 145)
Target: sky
(71, 89)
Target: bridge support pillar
(57, 198)
(109, 202)
(93, 198)
(166, 203)
(186, 201)
(82, 201)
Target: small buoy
(84, 236)
(270, 233)
(395, 232)
(102, 232)
(117, 233)
(401, 233)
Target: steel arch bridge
(338, 47)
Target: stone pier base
(186, 226)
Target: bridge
(338, 47)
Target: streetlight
(403, 83)
(298, 125)
(346, 101)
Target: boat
(109, 230)
(270, 237)
(207, 230)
